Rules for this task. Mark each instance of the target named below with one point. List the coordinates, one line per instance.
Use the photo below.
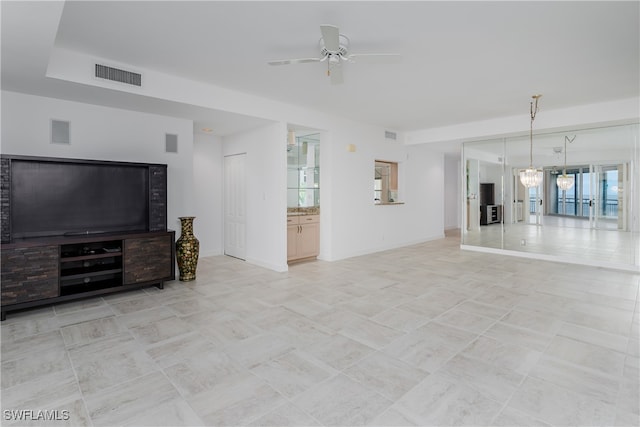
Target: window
(385, 182)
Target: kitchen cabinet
(303, 237)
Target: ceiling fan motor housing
(343, 48)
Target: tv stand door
(149, 259)
(29, 274)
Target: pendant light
(531, 177)
(564, 181)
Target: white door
(234, 205)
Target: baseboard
(384, 248)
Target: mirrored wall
(594, 221)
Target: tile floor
(423, 335)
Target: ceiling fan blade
(294, 61)
(335, 74)
(331, 37)
(375, 58)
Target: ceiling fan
(334, 50)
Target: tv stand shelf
(42, 271)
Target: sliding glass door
(594, 196)
(536, 204)
(604, 198)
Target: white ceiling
(461, 61)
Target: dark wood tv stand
(42, 271)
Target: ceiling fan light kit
(334, 49)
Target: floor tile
(342, 401)
(44, 391)
(30, 345)
(161, 330)
(495, 382)
(172, 413)
(497, 353)
(559, 406)
(370, 333)
(131, 305)
(33, 367)
(25, 327)
(144, 317)
(573, 377)
(537, 321)
(594, 336)
(174, 350)
(110, 361)
(430, 346)
(338, 351)
(500, 297)
(393, 417)
(388, 376)
(127, 400)
(517, 336)
(626, 419)
(82, 333)
(84, 315)
(629, 398)
(510, 417)
(481, 309)
(587, 355)
(258, 349)
(190, 306)
(467, 321)
(237, 402)
(438, 401)
(337, 318)
(203, 372)
(290, 374)
(400, 320)
(285, 415)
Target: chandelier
(564, 181)
(531, 177)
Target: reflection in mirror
(303, 171)
(595, 221)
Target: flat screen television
(54, 197)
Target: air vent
(116, 75)
(390, 135)
(60, 132)
(171, 143)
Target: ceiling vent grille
(117, 75)
(390, 135)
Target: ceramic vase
(187, 250)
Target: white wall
(358, 225)
(208, 175)
(103, 133)
(266, 191)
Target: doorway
(594, 201)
